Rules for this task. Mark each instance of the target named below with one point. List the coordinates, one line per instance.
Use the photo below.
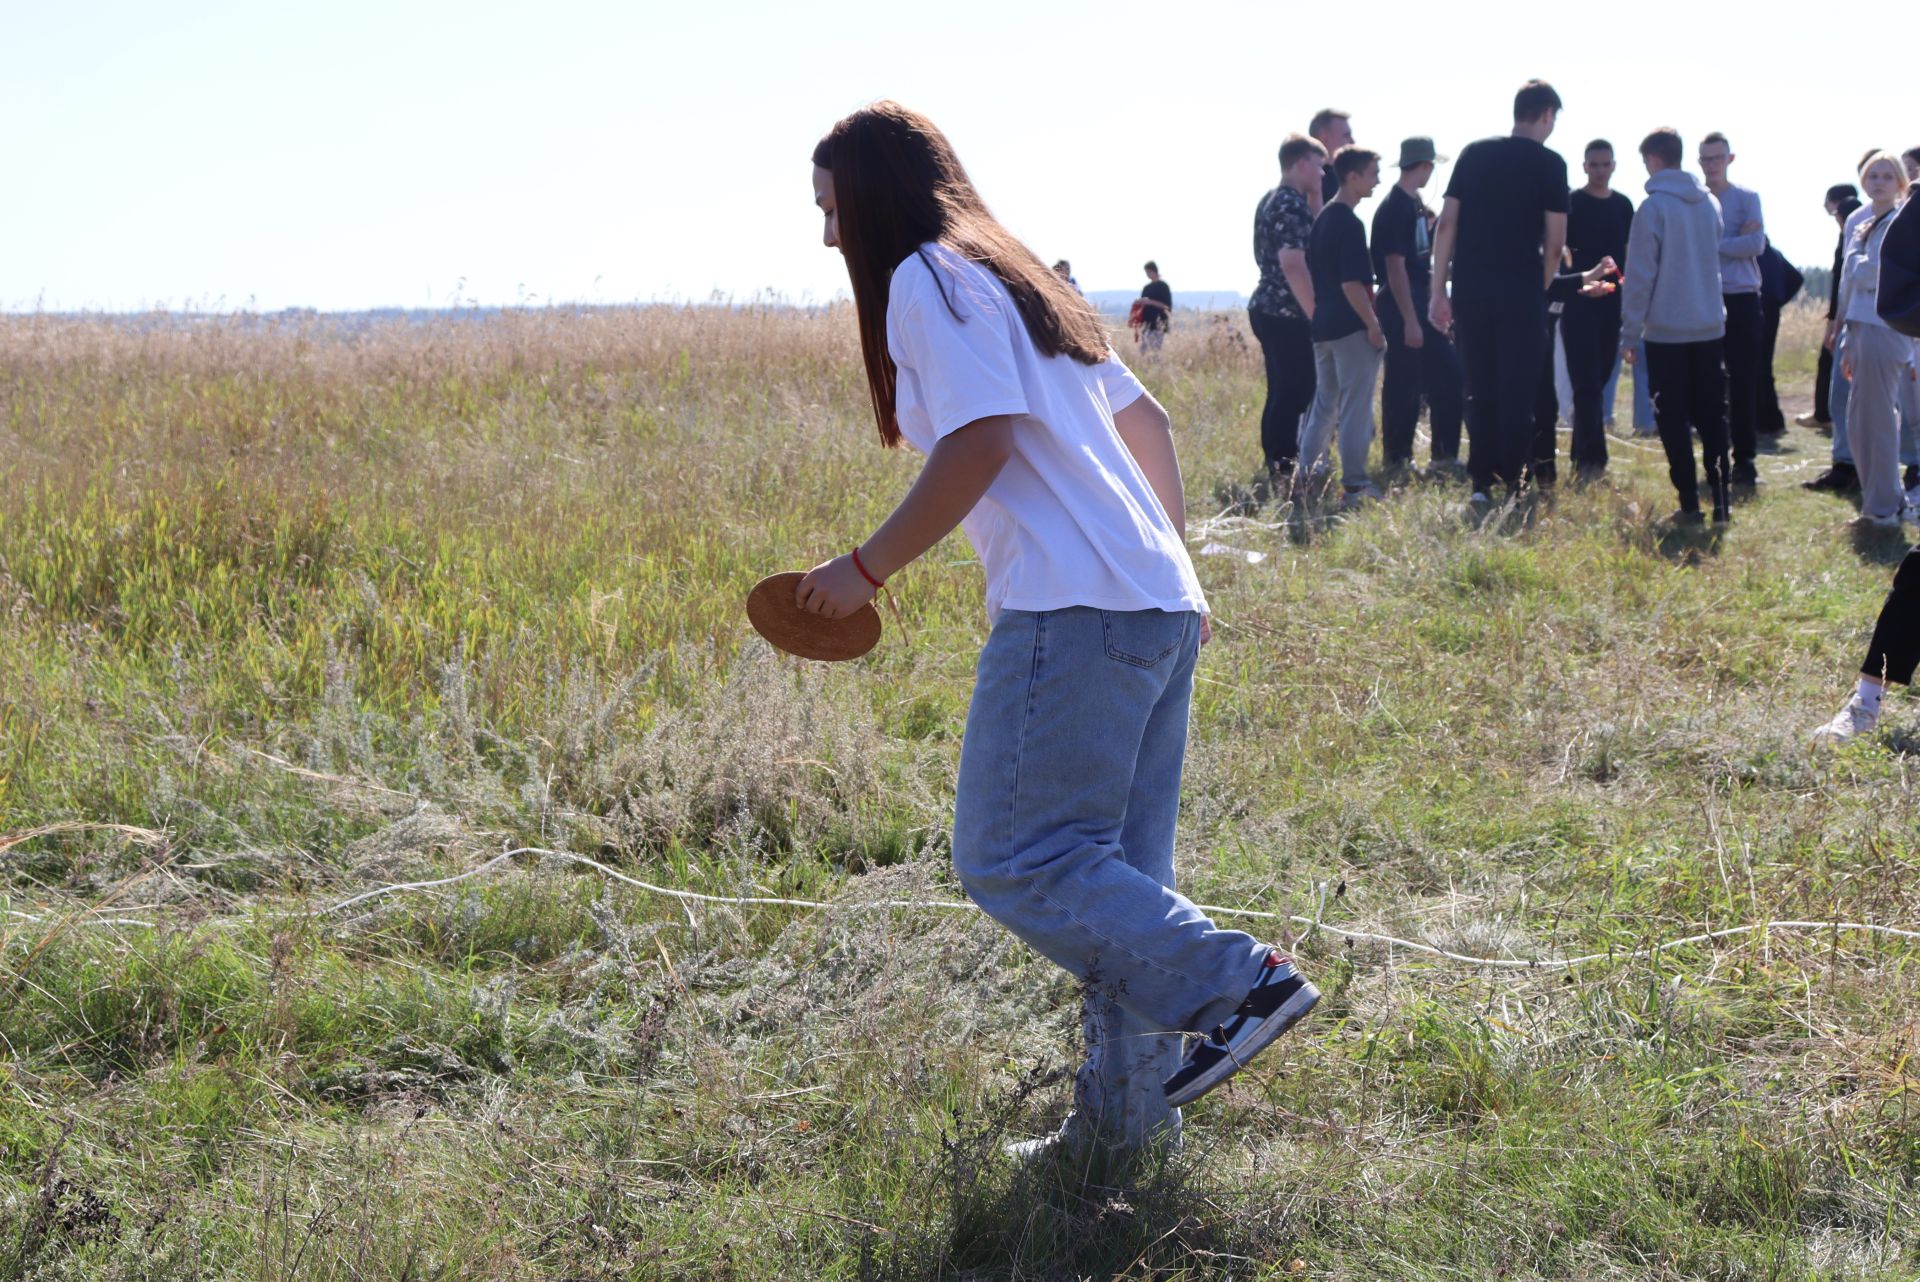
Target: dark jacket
(1839, 260)
(1899, 301)
(1780, 280)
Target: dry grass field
(288, 614)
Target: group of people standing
(1463, 308)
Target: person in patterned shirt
(1281, 309)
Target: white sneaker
(1848, 724)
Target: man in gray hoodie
(1672, 298)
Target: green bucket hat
(1418, 151)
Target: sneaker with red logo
(1280, 999)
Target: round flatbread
(771, 610)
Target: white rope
(90, 921)
(950, 905)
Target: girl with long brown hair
(1061, 469)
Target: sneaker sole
(1291, 1012)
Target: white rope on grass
(617, 875)
(1315, 922)
(89, 921)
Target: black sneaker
(1689, 516)
(1911, 477)
(1744, 476)
(1838, 479)
(1276, 1003)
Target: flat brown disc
(771, 610)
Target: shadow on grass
(1090, 1214)
(1688, 544)
(1079, 1213)
(1904, 740)
(1879, 547)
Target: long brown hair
(897, 185)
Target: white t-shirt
(1071, 519)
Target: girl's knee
(975, 859)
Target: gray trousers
(1838, 391)
(1345, 371)
(1881, 361)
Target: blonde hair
(1893, 162)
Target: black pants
(1767, 418)
(1286, 344)
(1690, 395)
(1433, 368)
(1742, 357)
(1546, 412)
(1590, 331)
(1500, 348)
(1895, 650)
(1823, 388)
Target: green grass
(284, 617)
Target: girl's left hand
(1206, 629)
(833, 589)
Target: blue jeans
(1837, 402)
(1063, 833)
(1642, 387)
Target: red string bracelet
(877, 584)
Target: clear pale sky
(413, 154)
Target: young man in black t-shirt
(1347, 341)
(1157, 298)
(1599, 220)
(1499, 241)
(1419, 357)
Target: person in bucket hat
(1420, 359)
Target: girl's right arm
(962, 465)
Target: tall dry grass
(328, 609)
